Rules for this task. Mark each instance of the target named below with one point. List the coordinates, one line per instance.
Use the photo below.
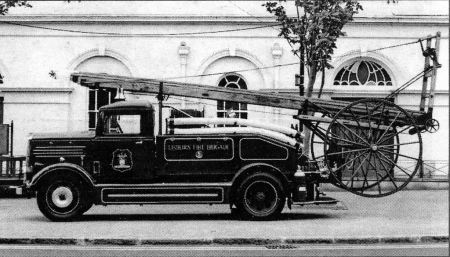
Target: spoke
(359, 125)
(338, 153)
(402, 169)
(347, 141)
(349, 151)
(409, 143)
(369, 121)
(381, 115)
(390, 126)
(402, 155)
(352, 132)
(349, 161)
(353, 166)
(319, 127)
(365, 176)
(393, 135)
(376, 173)
(388, 172)
(346, 135)
(354, 173)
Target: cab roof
(128, 105)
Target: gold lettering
(178, 147)
(217, 147)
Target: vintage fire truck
(254, 167)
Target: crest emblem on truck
(122, 160)
(199, 154)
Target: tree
(313, 33)
(316, 28)
(5, 5)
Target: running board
(164, 193)
(321, 200)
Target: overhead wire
(135, 34)
(289, 64)
(415, 78)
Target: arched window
(226, 109)
(363, 73)
(101, 97)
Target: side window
(122, 124)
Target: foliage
(316, 28)
(5, 5)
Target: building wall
(146, 40)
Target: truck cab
(124, 146)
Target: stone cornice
(194, 19)
(36, 89)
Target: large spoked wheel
(368, 148)
(317, 140)
(260, 197)
(62, 199)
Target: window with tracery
(227, 109)
(363, 73)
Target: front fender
(58, 167)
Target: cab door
(124, 149)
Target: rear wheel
(61, 198)
(260, 197)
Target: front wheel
(260, 197)
(61, 198)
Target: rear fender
(253, 168)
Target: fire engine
(255, 167)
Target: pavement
(411, 216)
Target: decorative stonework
(237, 53)
(277, 52)
(347, 58)
(183, 52)
(101, 50)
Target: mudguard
(265, 166)
(58, 167)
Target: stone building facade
(223, 43)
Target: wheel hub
(260, 196)
(374, 148)
(62, 197)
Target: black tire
(62, 198)
(260, 197)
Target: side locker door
(123, 153)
